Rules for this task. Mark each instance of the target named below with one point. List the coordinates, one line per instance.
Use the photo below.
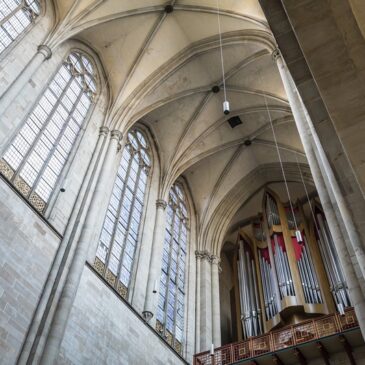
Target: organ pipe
(250, 305)
(282, 269)
(332, 265)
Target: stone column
(43, 53)
(355, 292)
(87, 243)
(206, 338)
(216, 312)
(341, 203)
(41, 309)
(198, 257)
(154, 273)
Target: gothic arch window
(170, 312)
(119, 236)
(36, 156)
(15, 17)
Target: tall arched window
(15, 17)
(119, 236)
(35, 158)
(170, 312)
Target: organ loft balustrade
(315, 337)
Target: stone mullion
(40, 133)
(56, 143)
(12, 13)
(177, 275)
(168, 269)
(136, 184)
(120, 205)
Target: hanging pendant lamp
(298, 233)
(226, 108)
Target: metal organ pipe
(264, 287)
(329, 269)
(282, 264)
(308, 259)
(339, 283)
(251, 321)
(253, 308)
(333, 268)
(278, 250)
(257, 302)
(269, 293)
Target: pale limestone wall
(102, 329)
(27, 247)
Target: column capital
(203, 255)
(115, 134)
(161, 204)
(45, 51)
(103, 130)
(215, 260)
(276, 54)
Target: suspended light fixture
(298, 233)
(306, 193)
(226, 108)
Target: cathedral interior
(182, 182)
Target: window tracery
(36, 156)
(171, 302)
(15, 17)
(119, 237)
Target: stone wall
(27, 247)
(102, 329)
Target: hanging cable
(298, 234)
(307, 194)
(225, 103)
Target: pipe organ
(249, 298)
(288, 268)
(332, 265)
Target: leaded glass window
(119, 236)
(15, 17)
(35, 158)
(170, 312)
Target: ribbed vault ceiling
(161, 68)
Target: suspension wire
(307, 194)
(280, 160)
(221, 52)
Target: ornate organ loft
(284, 281)
(288, 283)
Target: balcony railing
(290, 336)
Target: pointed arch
(36, 156)
(172, 288)
(120, 235)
